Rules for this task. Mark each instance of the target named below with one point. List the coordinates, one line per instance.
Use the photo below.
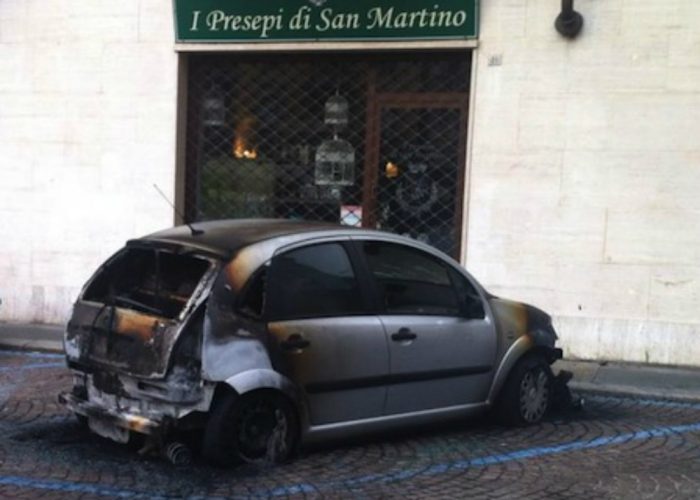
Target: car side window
(411, 281)
(313, 281)
(470, 301)
(252, 301)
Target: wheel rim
(534, 395)
(261, 432)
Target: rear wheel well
(220, 391)
(227, 403)
(223, 389)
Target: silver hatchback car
(261, 335)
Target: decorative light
(568, 22)
(241, 141)
(391, 170)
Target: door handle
(403, 334)
(295, 342)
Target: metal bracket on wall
(568, 22)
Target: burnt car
(261, 335)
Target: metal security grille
(366, 140)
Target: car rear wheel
(527, 394)
(260, 427)
(82, 420)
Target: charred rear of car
(261, 335)
(134, 341)
(148, 280)
(131, 313)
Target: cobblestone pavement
(614, 448)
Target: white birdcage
(335, 163)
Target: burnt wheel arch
(226, 408)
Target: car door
(442, 344)
(327, 341)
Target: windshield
(153, 281)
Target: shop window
(373, 140)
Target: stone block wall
(585, 173)
(87, 126)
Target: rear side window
(411, 281)
(148, 280)
(313, 281)
(252, 302)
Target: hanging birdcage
(335, 163)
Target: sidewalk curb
(31, 337)
(633, 379)
(634, 392)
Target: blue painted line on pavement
(288, 490)
(76, 487)
(485, 461)
(432, 470)
(33, 354)
(578, 445)
(31, 366)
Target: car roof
(225, 237)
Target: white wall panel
(591, 210)
(87, 126)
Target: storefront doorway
(373, 140)
(416, 186)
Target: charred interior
(148, 280)
(136, 308)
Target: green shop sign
(308, 20)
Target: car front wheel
(527, 394)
